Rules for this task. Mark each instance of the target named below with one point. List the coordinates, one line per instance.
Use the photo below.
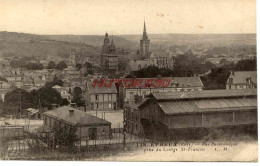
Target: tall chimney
(53, 106)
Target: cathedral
(145, 45)
(109, 57)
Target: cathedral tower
(144, 45)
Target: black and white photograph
(128, 80)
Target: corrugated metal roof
(191, 106)
(178, 107)
(226, 103)
(78, 118)
(204, 94)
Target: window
(231, 80)
(45, 121)
(109, 105)
(96, 97)
(49, 122)
(103, 132)
(144, 94)
(97, 105)
(109, 97)
(131, 95)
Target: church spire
(144, 33)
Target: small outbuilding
(89, 127)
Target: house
(175, 84)
(70, 72)
(32, 113)
(4, 85)
(242, 80)
(163, 61)
(88, 127)
(181, 114)
(100, 97)
(63, 92)
(38, 82)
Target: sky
(117, 17)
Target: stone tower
(72, 58)
(144, 45)
(109, 57)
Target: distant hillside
(19, 45)
(180, 39)
(55, 46)
(94, 40)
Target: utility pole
(20, 104)
(124, 130)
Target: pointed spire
(144, 33)
(112, 41)
(112, 46)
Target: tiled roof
(240, 77)
(78, 118)
(204, 94)
(177, 107)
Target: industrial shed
(168, 114)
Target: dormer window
(231, 80)
(249, 80)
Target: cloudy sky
(127, 16)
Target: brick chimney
(71, 112)
(54, 106)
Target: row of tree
(215, 80)
(154, 71)
(19, 99)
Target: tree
(89, 71)
(88, 65)
(34, 66)
(16, 99)
(78, 66)
(51, 65)
(217, 78)
(153, 71)
(61, 65)
(64, 102)
(3, 79)
(65, 136)
(56, 81)
(246, 65)
(49, 96)
(77, 97)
